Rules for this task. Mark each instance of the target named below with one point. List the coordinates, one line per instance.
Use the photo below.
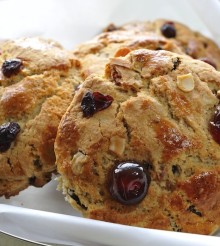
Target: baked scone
(94, 54)
(191, 42)
(140, 145)
(37, 80)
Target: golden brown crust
(194, 43)
(36, 99)
(95, 54)
(190, 42)
(157, 124)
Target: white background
(75, 21)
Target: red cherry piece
(214, 125)
(129, 183)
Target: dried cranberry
(129, 183)
(88, 105)
(209, 61)
(11, 67)
(168, 30)
(8, 133)
(94, 102)
(102, 101)
(214, 125)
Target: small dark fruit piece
(209, 61)
(176, 169)
(11, 67)
(4, 146)
(192, 209)
(168, 30)
(72, 194)
(93, 102)
(8, 133)
(214, 125)
(129, 183)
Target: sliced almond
(120, 62)
(117, 145)
(185, 82)
(78, 161)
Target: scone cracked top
(189, 41)
(37, 80)
(28, 56)
(135, 146)
(95, 53)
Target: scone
(191, 42)
(37, 80)
(140, 145)
(94, 54)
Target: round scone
(95, 53)
(191, 42)
(37, 80)
(140, 145)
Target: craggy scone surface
(153, 122)
(191, 42)
(116, 41)
(35, 98)
(94, 54)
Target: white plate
(49, 227)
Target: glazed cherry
(168, 30)
(94, 102)
(8, 133)
(11, 67)
(214, 125)
(209, 61)
(129, 183)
